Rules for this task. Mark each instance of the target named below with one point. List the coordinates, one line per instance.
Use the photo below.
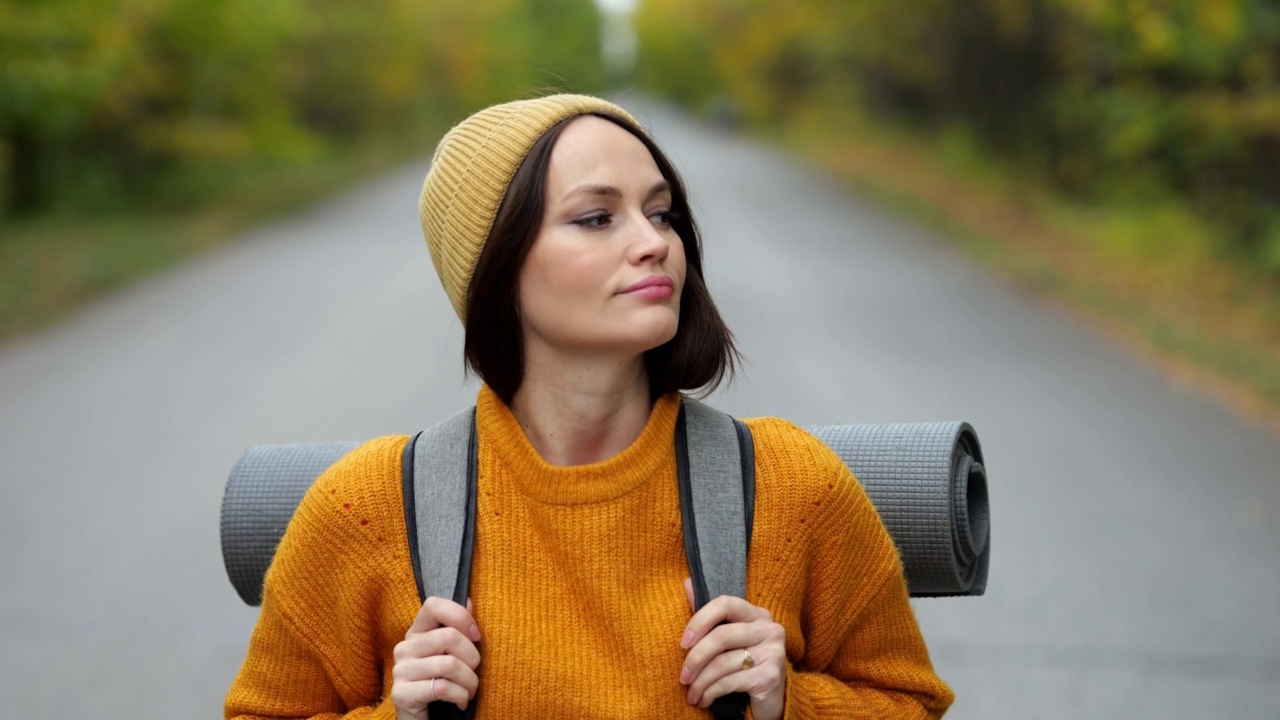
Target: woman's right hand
(437, 659)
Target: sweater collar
(500, 432)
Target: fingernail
(687, 641)
(474, 632)
(685, 676)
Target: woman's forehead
(595, 151)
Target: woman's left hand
(735, 646)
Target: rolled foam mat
(926, 480)
(929, 485)
(263, 490)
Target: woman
(563, 238)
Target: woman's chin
(656, 332)
(640, 340)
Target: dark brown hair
(701, 355)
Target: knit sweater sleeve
(316, 650)
(861, 654)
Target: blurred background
(119, 118)
(1123, 156)
(1057, 219)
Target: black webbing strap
(747, 458)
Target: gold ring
(748, 662)
(433, 690)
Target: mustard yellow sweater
(577, 586)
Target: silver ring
(433, 690)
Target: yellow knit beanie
(472, 166)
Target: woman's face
(606, 269)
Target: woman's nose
(649, 243)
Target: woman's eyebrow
(613, 192)
(602, 190)
(662, 187)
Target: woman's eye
(593, 221)
(663, 217)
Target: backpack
(926, 480)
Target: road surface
(1136, 565)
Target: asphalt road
(1136, 565)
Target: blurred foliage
(1124, 102)
(126, 103)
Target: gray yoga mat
(926, 480)
(929, 485)
(264, 488)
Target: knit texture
(577, 586)
(470, 172)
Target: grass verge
(1150, 276)
(49, 266)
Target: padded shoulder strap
(716, 467)
(439, 475)
(440, 506)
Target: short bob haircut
(700, 356)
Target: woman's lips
(656, 287)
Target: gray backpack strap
(713, 499)
(715, 466)
(440, 475)
(439, 478)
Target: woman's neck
(584, 411)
